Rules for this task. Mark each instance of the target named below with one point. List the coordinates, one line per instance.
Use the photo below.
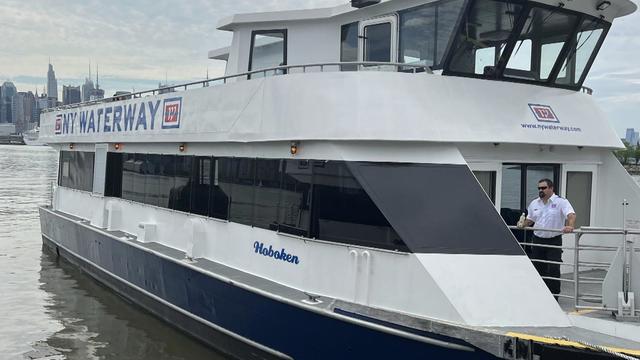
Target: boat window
(487, 180)
(201, 185)
(549, 55)
(180, 193)
(542, 26)
(238, 175)
(486, 27)
(76, 170)
(130, 171)
(295, 210)
(267, 193)
(349, 45)
(526, 42)
(220, 191)
(511, 193)
(520, 187)
(151, 173)
(425, 32)
(579, 194)
(582, 53)
(113, 181)
(343, 212)
(268, 50)
(377, 42)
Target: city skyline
(139, 45)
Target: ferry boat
(346, 189)
(32, 137)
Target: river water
(49, 309)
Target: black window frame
(513, 38)
(284, 50)
(436, 5)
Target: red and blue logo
(171, 114)
(544, 113)
(58, 126)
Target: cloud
(139, 43)
(142, 39)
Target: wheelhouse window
(377, 42)
(268, 50)
(425, 32)
(349, 45)
(525, 42)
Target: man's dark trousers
(548, 254)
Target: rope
(598, 348)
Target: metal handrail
(577, 264)
(284, 68)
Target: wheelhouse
(542, 42)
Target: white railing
(578, 265)
(277, 70)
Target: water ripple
(49, 309)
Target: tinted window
(295, 210)
(448, 15)
(349, 45)
(113, 183)
(180, 194)
(201, 185)
(579, 187)
(64, 173)
(76, 170)
(236, 180)
(343, 212)
(267, 193)
(221, 189)
(155, 183)
(377, 43)
(418, 36)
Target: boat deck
(594, 331)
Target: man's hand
(567, 229)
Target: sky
(138, 44)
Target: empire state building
(52, 84)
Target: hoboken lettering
(259, 248)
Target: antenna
(89, 69)
(97, 84)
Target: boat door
(378, 39)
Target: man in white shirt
(549, 211)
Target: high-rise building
(52, 83)
(6, 107)
(632, 137)
(87, 89)
(71, 95)
(24, 111)
(18, 112)
(43, 102)
(91, 91)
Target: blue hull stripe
(288, 329)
